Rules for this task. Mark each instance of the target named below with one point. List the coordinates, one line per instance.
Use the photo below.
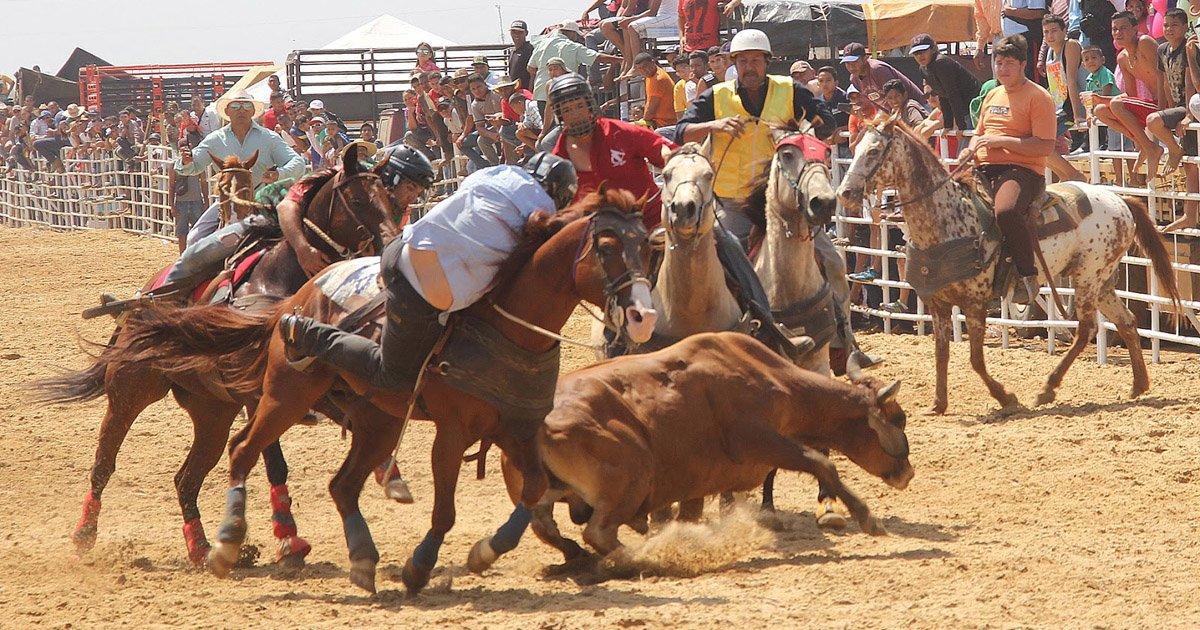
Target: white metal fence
(1137, 285)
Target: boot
(1026, 291)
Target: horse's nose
(822, 208)
(851, 196)
(685, 210)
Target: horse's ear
(706, 148)
(602, 189)
(253, 158)
(216, 160)
(350, 165)
(640, 204)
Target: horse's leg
(449, 446)
(1116, 312)
(976, 325)
(1085, 309)
(487, 551)
(942, 324)
(129, 389)
(292, 549)
(374, 435)
(211, 420)
(287, 396)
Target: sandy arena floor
(1084, 514)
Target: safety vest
(739, 159)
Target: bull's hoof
(292, 551)
(222, 557)
(84, 538)
(415, 578)
(1045, 398)
(397, 490)
(831, 520)
(362, 574)
(1009, 402)
(482, 556)
(872, 526)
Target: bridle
(816, 155)
(631, 233)
(709, 200)
(375, 241)
(963, 165)
(232, 193)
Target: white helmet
(750, 40)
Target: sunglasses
(240, 105)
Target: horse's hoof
(222, 557)
(1010, 402)
(831, 520)
(938, 409)
(84, 538)
(481, 557)
(199, 554)
(292, 551)
(872, 526)
(1045, 398)
(414, 577)
(362, 574)
(397, 490)
(1138, 390)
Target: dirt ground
(1082, 514)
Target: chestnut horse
(353, 210)
(594, 251)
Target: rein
(345, 253)
(965, 163)
(231, 193)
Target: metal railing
(1137, 285)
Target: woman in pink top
(425, 61)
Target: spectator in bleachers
(274, 84)
(480, 67)
(661, 16)
(188, 199)
(51, 144)
(367, 133)
(425, 62)
(519, 54)
(935, 121)
(869, 75)
(659, 110)
(270, 118)
(802, 72)
(481, 140)
(420, 133)
(1096, 28)
(1180, 76)
(459, 97)
(605, 8)
(895, 97)
(685, 88)
(1139, 79)
(451, 118)
(39, 127)
(1065, 79)
(205, 118)
(505, 88)
(702, 75)
(317, 108)
(719, 64)
(1024, 18)
(954, 84)
(700, 23)
(529, 125)
(565, 43)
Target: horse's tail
(200, 339)
(73, 386)
(1152, 244)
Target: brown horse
(352, 209)
(594, 251)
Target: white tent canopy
(387, 31)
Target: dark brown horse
(352, 209)
(594, 251)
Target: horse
(351, 210)
(1095, 228)
(595, 250)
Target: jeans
(187, 213)
(49, 147)
(481, 151)
(207, 249)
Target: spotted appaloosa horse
(353, 209)
(890, 153)
(593, 251)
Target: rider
(1016, 132)
(738, 114)
(608, 150)
(242, 137)
(443, 263)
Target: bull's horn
(853, 369)
(888, 392)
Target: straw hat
(242, 96)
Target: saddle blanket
(1063, 208)
(352, 283)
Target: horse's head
(798, 182)
(688, 208)
(610, 269)
(234, 182)
(360, 210)
(882, 151)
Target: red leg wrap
(281, 512)
(197, 543)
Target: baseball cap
(921, 42)
(45, 112)
(519, 25)
(570, 25)
(479, 59)
(853, 52)
(853, 89)
(800, 66)
(320, 120)
(317, 104)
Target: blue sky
(129, 32)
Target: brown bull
(711, 414)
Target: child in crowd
(1100, 81)
(529, 123)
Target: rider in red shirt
(607, 150)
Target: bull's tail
(1152, 244)
(200, 339)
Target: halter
(232, 193)
(815, 153)
(710, 200)
(376, 240)
(963, 165)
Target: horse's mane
(756, 201)
(541, 226)
(318, 180)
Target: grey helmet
(567, 88)
(404, 162)
(556, 175)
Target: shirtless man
(1127, 114)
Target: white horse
(954, 241)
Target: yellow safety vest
(738, 159)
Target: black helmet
(567, 88)
(404, 162)
(556, 175)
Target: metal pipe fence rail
(1137, 285)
